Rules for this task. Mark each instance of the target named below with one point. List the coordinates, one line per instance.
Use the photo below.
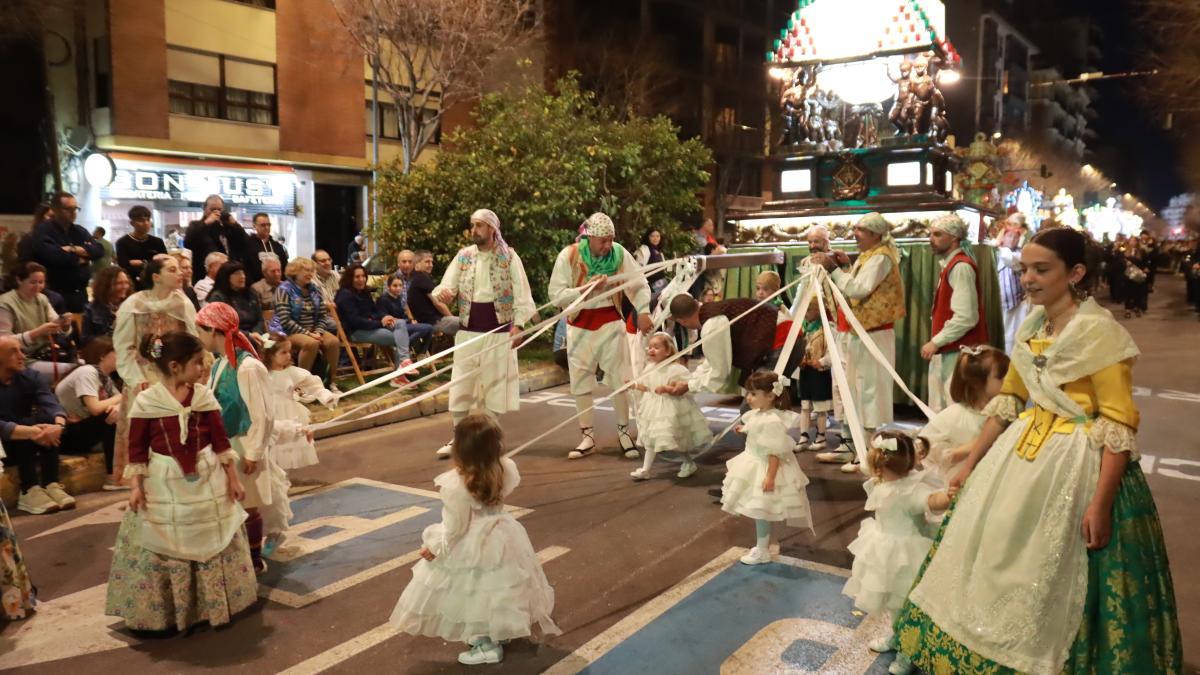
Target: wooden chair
(352, 354)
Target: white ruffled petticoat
(486, 579)
(742, 493)
(890, 547)
(670, 423)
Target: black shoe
(715, 492)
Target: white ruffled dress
(485, 580)
(290, 389)
(955, 426)
(670, 423)
(742, 493)
(890, 547)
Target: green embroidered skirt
(1129, 623)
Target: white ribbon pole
(852, 421)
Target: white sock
(648, 460)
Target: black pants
(79, 438)
(1136, 296)
(29, 457)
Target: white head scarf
(489, 217)
(951, 224)
(598, 225)
(875, 222)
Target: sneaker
(640, 474)
(688, 469)
(802, 444)
(818, 442)
(272, 543)
(884, 644)
(489, 652)
(901, 666)
(757, 556)
(838, 457)
(60, 496)
(36, 501)
(851, 467)
(400, 381)
(111, 485)
(626, 441)
(444, 451)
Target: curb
(81, 474)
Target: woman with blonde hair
(302, 315)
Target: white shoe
(490, 652)
(35, 500)
(640, 474)
(851, 467)
(444, 451)
(757, 556)
(587, 445)
(835, 457)
(901, 666)
(688, 469)
(60, 496)
(818, 443)
(802, 444)
(883, 645)
(113, 486)
(626, 441)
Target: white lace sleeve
(1115, 437)
(1005, 407)
(132, 470)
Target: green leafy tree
(544, 162)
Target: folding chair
(352, 355)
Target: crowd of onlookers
(63, 287)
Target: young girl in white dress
(291, 387)
(978, 376)
(667, 423)
(890, 547)
(479, 580)
(764, 482)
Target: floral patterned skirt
(154, 592)
(1129, 621)
(17, 594)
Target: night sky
(1131, 145)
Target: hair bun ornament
(265, 340)
(887, 445)
(780, 383)
(975, 350)
(156, 348)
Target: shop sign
(269, 193)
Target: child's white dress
(953, 427)
(670, 423)
(890, 547)
(289, 435)
(742, 493)
(485, 580)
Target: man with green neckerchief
(596, 331)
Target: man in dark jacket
(216, 232)
(66, 250)
(136, 249)
(260, 245)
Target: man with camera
(216, 232)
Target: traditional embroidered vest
(581, 273)
(885, 305)
(501, 279)
(234, 412)
(941, 306)
(752, 338)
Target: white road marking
(73, 625)
(338, 654)
(113, 513)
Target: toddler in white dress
(667, 423)
(978, 376)
(291, 387)
(764, 482)
(479, 580)
(890, 547)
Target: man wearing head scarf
(489, 283)
(876, 296)
(957, 319)
(1008, 269)
(596, 332)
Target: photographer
(216, 232)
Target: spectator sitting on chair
(231, 289)
(302, 314)
(26, 314)
(367, 322)
(327, 280)
(212, 264)
(109, 289)
(183, 258)
(66, 250)
(423, 305)
(264, 288)
(394, 301)
(93, 404)
(31, 427)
